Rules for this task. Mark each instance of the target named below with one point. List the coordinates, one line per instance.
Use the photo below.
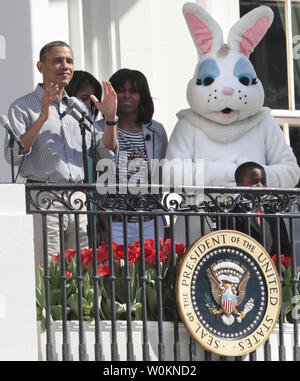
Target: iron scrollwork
(208, 200)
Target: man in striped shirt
(52, 138)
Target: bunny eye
(247, 79)
(206, 80)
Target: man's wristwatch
(112, 123)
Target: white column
(97, 21)
(16, 63)
(18, 326)
(150, 36)
(173, 59)
(76, 32)
(26, 25)
(49, 21)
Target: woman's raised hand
(108, 107)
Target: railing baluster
(159, 279)
(202, 222)
(112, 278)
(173, 264)
(79, 279)
(248, 227)
(192, 344)
(47, 281)
(253, 356)
(267, 345)
(63, 279)
(146, 355)
(95, 278)
(130, 352)
(294, 293)
(234, 223)
(267, 350)
(281, 347)
(207, 355)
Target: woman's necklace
(133, 128)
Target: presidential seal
(228, 293)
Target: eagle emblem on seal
(228, 281)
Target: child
(251, 174)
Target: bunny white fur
(227, 124)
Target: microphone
(76, 115)
(77, 105)
(148, 137)
(5, 123)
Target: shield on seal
(228, 303)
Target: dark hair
(140, 83)
(80, 79)
(242, 169)
(45, 49)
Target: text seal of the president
(228, 293)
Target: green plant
(290, 302)
(88, 274)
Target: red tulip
(55, 259)
(133, 254)
(118, 251)
(103, 270)
(68, 275)
(150, 253)
(284, 260)
(103, 252)
(180, 249)
(166, 247)
(287, 261)
(86, 257)
(69, 254)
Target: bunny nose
(227, 91)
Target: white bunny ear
(250, 29)
(206, 32)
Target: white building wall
(18, 326)
(147, 35)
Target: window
(277, 63)
(280, 49)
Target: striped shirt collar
(39, 92)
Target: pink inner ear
(253, 35)
(201, 33)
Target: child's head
(250, 174)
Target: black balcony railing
(220, 208)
